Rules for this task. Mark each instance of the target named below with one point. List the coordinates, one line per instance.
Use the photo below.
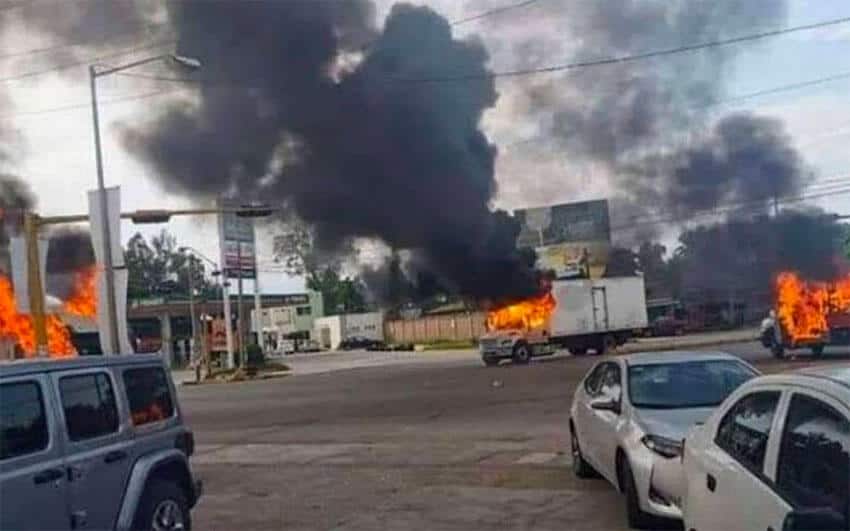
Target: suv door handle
(710, 482)
(47, 476)
(115, 456)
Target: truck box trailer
(588, 314)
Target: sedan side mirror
(606, 404)
(822, 519)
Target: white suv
(775, 455)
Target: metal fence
(461, 326)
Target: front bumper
(659, 481)
(197, 492)
(497, 352)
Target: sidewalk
(706, 339)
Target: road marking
(536, 458)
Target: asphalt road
(403, 441)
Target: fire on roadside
(804, 307)
(18, 327)
(527, 314)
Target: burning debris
(805, 309)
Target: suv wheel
(522, 354)
(778, 351)
(638, 519)
(163, 508)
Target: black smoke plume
(15, 198)
(69, 251)
(304, 117)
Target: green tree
(158, 268)
(339, 294)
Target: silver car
(630, 414)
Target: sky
(55, 154)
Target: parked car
(359, 342)
(775, 455)
(631, 413)
(93, 443)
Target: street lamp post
(114, 346)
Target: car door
(33, 487)
(587, 392)
(727, 483)
(604, 422)
(97, 446)
(813, 464)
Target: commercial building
(291, 320)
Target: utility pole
(114, 345)
(192, 316)
(36, 294)
(241, 323)
(258, 300)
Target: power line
(825, 191)
(491, 12)
(86, 61)
(87, 105)
(732, 99)
(71, 44)
(628, 58)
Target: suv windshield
(685, 385)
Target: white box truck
(589, 314)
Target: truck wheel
(578, 351)
(778, 351)
(490, 361)
(163, 507)
(817, 351)
(606, 344)
(522, 354)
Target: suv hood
(671, 423)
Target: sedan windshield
(685, 385)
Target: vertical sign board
(238, 247)
(572, 239)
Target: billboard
(572, 239)
(238, 246)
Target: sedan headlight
(663, 446)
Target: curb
(708, 342)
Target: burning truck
(807, 315)
(579, 314)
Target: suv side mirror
(822, 519)
(606, 404)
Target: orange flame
(18, 328)
(803, 307)
(83, 301)
(528, 314)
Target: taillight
(185, 442)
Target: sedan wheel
(638, 519)
(581, 468)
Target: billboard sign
(238, 246)
(572, 239)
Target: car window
(594, 379)
(88, 401)
(23, 422)
(610, 383)
(148, 394)
(685, 384)
(744, 430)
(814, 457)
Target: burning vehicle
(579, 315)
(807, 315)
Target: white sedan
(630, 415)
(775, 455)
